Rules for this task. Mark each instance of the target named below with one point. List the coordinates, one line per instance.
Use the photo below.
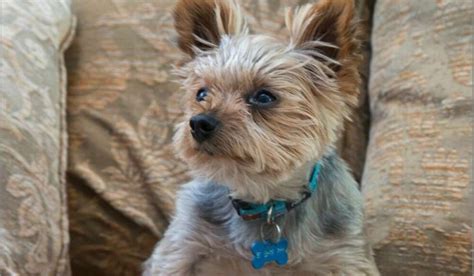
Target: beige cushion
(416, 179)
(33, 221)
(122, 106)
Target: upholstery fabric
(122, 108)
(418, 170)
(122, 105)
(34, 235)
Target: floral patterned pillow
(34, 235)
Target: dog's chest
(237, 266)
(232, 237)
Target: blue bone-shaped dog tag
(267, 251)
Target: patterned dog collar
(254, 211)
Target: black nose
(203, 126)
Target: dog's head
(257, 108)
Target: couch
(88, 177)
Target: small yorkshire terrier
(269, 196)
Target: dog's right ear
(331, 23)
(202, 23)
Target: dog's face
(257, 108)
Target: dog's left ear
(202, 23)
(328, 27)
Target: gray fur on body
(325, 235)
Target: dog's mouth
(204, 148)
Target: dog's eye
(262, 98)
(201, 94)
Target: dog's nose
(203, 126)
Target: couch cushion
(122, 176)
(33, 221)
(416, 179)
(122, 108)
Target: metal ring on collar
(275, 226)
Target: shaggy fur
(259, 154)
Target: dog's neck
(333, 209)
(263, 190)
(277, 207)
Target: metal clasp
(274, 227)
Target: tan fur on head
(314, 77)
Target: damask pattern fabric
(417, 176)
(122, 108)
(33, 220)
(122, 174)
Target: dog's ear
(202, 23)
(327, 26)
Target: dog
(270, 196)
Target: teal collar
(254, 211)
